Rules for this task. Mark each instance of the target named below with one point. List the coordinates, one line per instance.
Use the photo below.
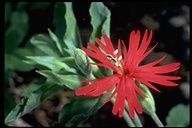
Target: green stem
(125, 116)
(137, 121)
(128, 119)
(156, 119)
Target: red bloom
(125, 64)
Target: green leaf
(13, 38)
(59, 20)
(81, 61)
(13, 62)
(178, 116)
(22, 52)
(70, 81)
(71, 115)
(45, 44)
(100, 20)
(30, 89)
(72, 36)
(66, 25)
(20, 19)
(32, 101)
(16, 32)
(50, 62)
(96, 71)
(58, 43)
(9, 102)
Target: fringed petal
(98, 86)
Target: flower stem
(137, 121)
(125, 116)
(156, 120)
(128, 119)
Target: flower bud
(148, 103)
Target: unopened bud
(148, 103)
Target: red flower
(127, 70)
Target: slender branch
(137, 121)
(156, 119)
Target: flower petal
(98, 86)
(108, 43)
(120, 99)
(144, 81)
(103, 65)
(133, 42)
(137, 105)
(145, 42)
(133, 46)
(162, 69)
(140, 57)
(159, 79)
(101, 45)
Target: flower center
(116, 61)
